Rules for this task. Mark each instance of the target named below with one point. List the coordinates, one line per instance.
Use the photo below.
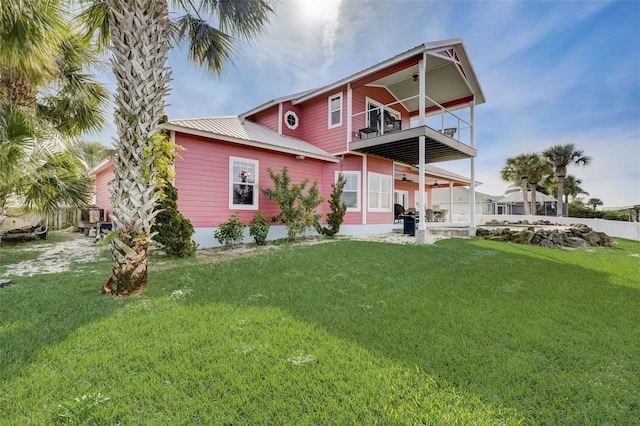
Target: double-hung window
(351, 191)
(243, 184)
(380, 191)
(335, 110)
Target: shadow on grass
(526, 328)
(44, 310)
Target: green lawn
(340, 333)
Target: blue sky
(552, 73)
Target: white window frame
(331, 98)
(295, 116)
(397, 194)
(396, 114)
(382, 177)
(256, 191)
(357, 174)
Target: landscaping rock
(576, 236)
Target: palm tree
(595, 202)
(47, 99)
(538, 170)
(516, 170)
(560, 157)
(138, 34)
(571, 187)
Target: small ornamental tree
(297, 205)
(338, 209)
(172, 229)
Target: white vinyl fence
(613, 228)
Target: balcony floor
(402, 146)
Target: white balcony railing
(368, 124)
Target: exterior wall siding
(350, 163)
(202, 179)
(268, 118)
(298, 132)
(316, 124)
(102, 190)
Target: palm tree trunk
(525, 196)
(140, 32)
(17, 90)
(560, 173)
(534, 204)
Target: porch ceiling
(443, 84)
(403, 146)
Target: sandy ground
(59, 257)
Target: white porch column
(422, 233)
(450, 202)
(422, 225)
(472, 192)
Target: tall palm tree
(571, 187)
(47, 99)
(560, 157)
(138, 34)
(516, 170)
(538, 170)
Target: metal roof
(237, 130)
(425, 47)
(516, 197)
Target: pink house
(383, 128)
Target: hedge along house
(382, 128)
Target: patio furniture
(367, 132)
(398, 210)
(392, 124)
(441, 215)
(430, 215)
(409, 224)
(449, 132)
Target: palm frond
(208, 47)
(58, 182)
(96, 18)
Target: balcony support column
(472, 188)
(422, 233)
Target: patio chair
(398, 210)
(441, 215)
(431, 217)
(449, 132)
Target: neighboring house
(443, 197)
(514, 204)
(371, 126)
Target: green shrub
(297, 209)
(338, 209)
(581, 211)
(259, 228)
(616, 215)
(229, 233)
(173, 230)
